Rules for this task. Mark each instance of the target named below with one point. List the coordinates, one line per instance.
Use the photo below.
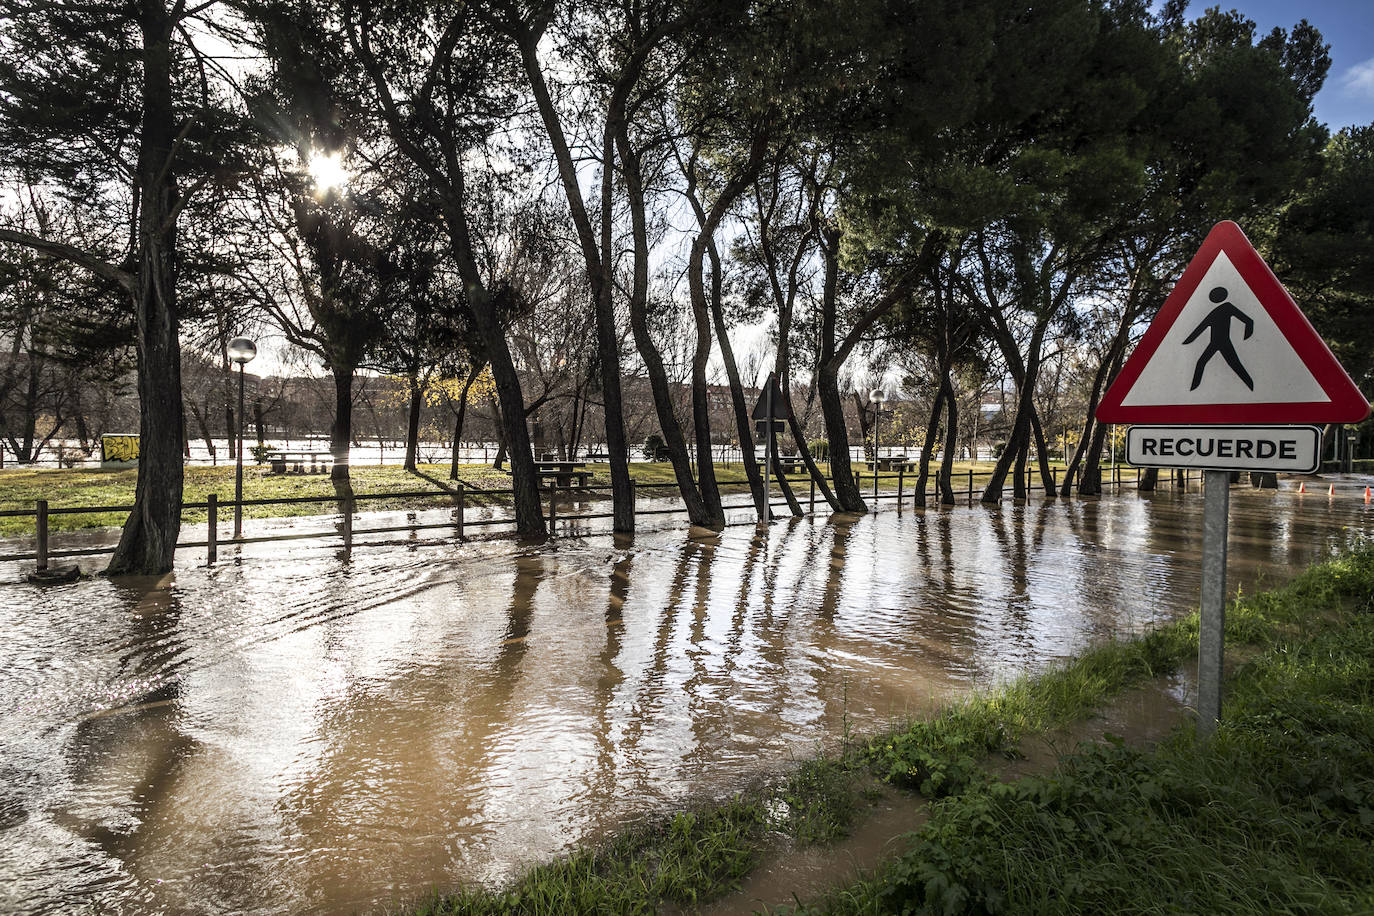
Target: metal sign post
(1211, 642)
(768, 456)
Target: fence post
(462, 506)
(970, 488)
(347, 529)
(212, 528)
(41, 520)
(553, 507)
(634, 499)
(901, 480)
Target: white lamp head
(242, 350)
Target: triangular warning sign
(764, 403)
(1230, 346)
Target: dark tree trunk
(1090, 482)
(341, 430)
(932, 431)
(673, 439)
(1148, 480)
(841, 472)
(951, 440)
(599, 262)
(461, 415)
(148, 542)
(413, 422)
(1018, 441)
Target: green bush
(653, 447)
(820, 449)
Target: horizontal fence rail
(456, 499)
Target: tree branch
(71, 253)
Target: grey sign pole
(1217, 502)
(768, 452)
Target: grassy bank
(77, 487)
(86, 487)
(1275, 815)
(1108, 818)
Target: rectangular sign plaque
(1296, 449)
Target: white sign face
(1296, 449)
(1224, 348)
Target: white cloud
(1359, 80)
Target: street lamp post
(878, 397)
(241, 350)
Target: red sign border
(1347, 404)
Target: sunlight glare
(328, 171)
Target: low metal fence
(457, 498)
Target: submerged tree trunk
(148, 542)
(341, 431)
(413, 421)
(458, 420)
(951, 440)
(932, 432)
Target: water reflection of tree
(139, 749)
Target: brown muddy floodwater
(286, 733)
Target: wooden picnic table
(791, 464)
(893, 463)
(278, 459)
(563, 473)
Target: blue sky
(1346, 25)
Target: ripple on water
(286, 732)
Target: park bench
(893, 463)
(282, 462)
(791, 464)
(563, 475)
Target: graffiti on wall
(122, 449)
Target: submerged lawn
(76, 487)
(92, 487)
(1275, 814)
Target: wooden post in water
(212, 528)
(970, 488)
(813, 494)
(462, 506)
(901, 476)
(346, 527)
(41, 520)
(553, 507)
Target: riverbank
(1275, 813)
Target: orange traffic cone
(1332, 491)
(1366, 496)
(1302, 487)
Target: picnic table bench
(562, 474)
(893, 463)
(278, 461)
(791, 464)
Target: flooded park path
(289, 733)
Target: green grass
(78, 487)
(1274, 815)
(1279, 808)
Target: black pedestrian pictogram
(1219, 321)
